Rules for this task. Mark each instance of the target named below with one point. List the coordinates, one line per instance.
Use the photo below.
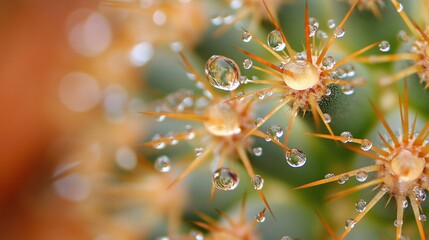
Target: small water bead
(225, 179)
(347, 89)
(275, 131)
(217, 20)
(260, 95)
(321, 34)
(189, 130)
(257, 182)
(343, 179)
(173, 140)
(328, 92)
(422, 217)
(197, 235)
(398, 222)
(420, 194)
(240, 96)
(160, 144)
(260, 217)
(329, 175)
(340, 73)
(163, 164)
(198, 151)
(339, 32)
(348, 137)
(331, 23)
(384, 46)
(275, 40)
(405, 203)
(328, 62)
(246, 37)
(223, 73)
(257, 151)
(350, 70)
(360, 205)
(400, 7)
(247, 64)
(366, 145)
(327, 118)
(313, 25)
(361, 176)
(350, 223)
(296, 158)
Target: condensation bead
(360, 205)
(328, 62)
(257, 151)
(260, 217)
(331, 23)
(223, 73)
(398, 222)
(225, 179)
(348, 137)
(275, 40)
(339, 32)
(158, 145)
(326, 118)
(384, 46)
(296, 158)
(361, 176)
(163, 164)
(350, 223)
(223, 120)
(422, 217)
(257, 182)
(366, 145)
(329, 175)
(247, 64)
(246, 37)
(347, 89)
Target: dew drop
(343, 179)
(339, 32)
(158, 145)
(257, 151)
(247, 64)
(360, 205)
(163, 164)
(397, 222)
(198, 151)
(350, 223)
(366, 145)
(399, 7)
(260, 217)
(223, 73)
(189, 130)
(327, 118)
(340, 73)
(225, 179)
(328, 62)
(404, 203)
(384, 46)
(296, 158)
(361, 176)
(348, 137)
(328, 92)
(331, 23)
(258, 121)
(275, 131)
(257, 182)
(240, 96)
(246, 37)
(422, 217)
(329, 175)
(196, 235)
(275, 40)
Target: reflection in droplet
(384, 46)
(74, 187)
(223, 73)
(257, 182)
(360, 205)
(163, 164)
(296, 158)
(79, 92)
(225, 179)
(275, 40)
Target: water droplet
(347, 89)
(198, 151)
(225, 179)
(328, 62)
(275, 40)
(240, 96)
(366, 145)
(399, 7)
(260, 217)
(331, 23)
(321, 34)
(275, 131)
(197, 235)
(222, 73)
(360, 205)
(257, 182)
(313, 25)
(158, 145)
(258, 121)
(422, 217)
(350, 223)
(348, 137)
(384, 46)
(246, 37)
(343, 179)
(228, 19)
(350, 70)
(247, 64)
(404, 203)
(398, 222)
(339, 32)
(329, 175)
(257, 151)
(328, 92)
(340, 73)
(162, 164)
(189, 130)
(296, 158)
(361, 176)
(327, 118)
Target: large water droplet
(163, 164)
(339, 32)
(223, 73)
(246, 37)
(347, 137)
(225, 179)
(384, 46)
(366, 145)
(275, 40)
(361, 176)
(360, 205)
(296, 158)
(257, 182)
